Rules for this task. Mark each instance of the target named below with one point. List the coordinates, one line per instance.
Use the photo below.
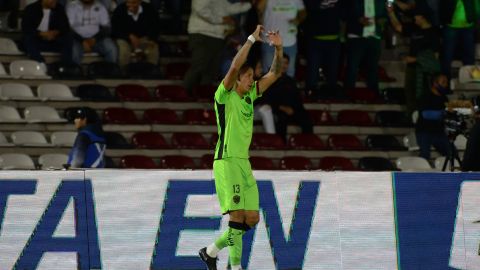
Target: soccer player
(236, 188)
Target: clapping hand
(274, 38)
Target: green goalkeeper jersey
(234, 121)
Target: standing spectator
(286, 102)
(284, 16)
(134, 25)
(323, 43)
(208, 25)
(45, 28)
(90, 22)
(458, 18)
(89, 146)
(365, 22)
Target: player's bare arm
(275, 71)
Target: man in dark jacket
(45, 27)
(89, 148)
(135, 28)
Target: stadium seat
(55, 92)
(344, 142)
(9, 47)
(143, 70)
(177, 162)
(29, 139)
(394, 95)
(103, 69)
(264, 141)
(115, 140)
(16, 161)
(199, 117)
(189, 140)
(60, 70)
(363, 95)
(383, 75)
(354, 118)
(375, 164)
(295, 163)
(331, 163)
(9, 114)
(4, 142)
(204, 92)
(465, 74)
(3, 73)
(63, 138)
(172, 93)
(149, 140)
(132, 92)
(214, 140)
(176, 71)
(206, 162)
(161, 116)
(321, 117)
(439, 164)
(94, 92)
(42, 114)
(16, 91)
(392, 119)
(410, 141)
(28, 69)
(52, 161)
(461, 142)
(109, 163)
(119, 116)
(261, 163)
(305, 142)
(137, 162)
(383, 143)
(413, 164)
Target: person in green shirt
(234, 182)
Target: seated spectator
(263, 111)
(45, 28)
(90, 22)
(286, 102)
(89, 147)
(135, 28)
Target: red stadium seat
(132, 92)
(354, 118)
(177, 162)
(189, 140)
(213, 140)
(137, 162)
(205, 92)
(295, 163)
(321, 117)
(149, 140)
(119, 116)
(262, 163)
(176, 71)
(336, 164)
(345, 142)
(305, 142)
(364, 95)
(206, 162)
(264, 141)
(161, 116)
(172, 93)
(199, 117)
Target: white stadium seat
(3, 141)
(9, 114)
(52, 161)
(29, 139)
(42, 114)
(3, 73)
(461, 142)
(63, 138)
(16, 91)
(8, 47)
(16, 161)
(55, 91)
(28, 69)
(410, 141)
(413, 164)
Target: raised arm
(240, 58)
(276, 68)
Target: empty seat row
(46, 91)
(32, 114)
(16, 161)
(37, 139)
(25, 69)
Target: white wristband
(252, 39)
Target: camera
(456, 122)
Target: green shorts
(235, 185)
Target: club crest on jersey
(248, 100)
(236, 199)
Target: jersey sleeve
(255, 91)
(222, 93)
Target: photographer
(430, 128)
(471, 157)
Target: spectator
(422, 58)
(323, 43)
(286, 102)
(89, 147)
(365, 22)
(45, 28)
(471, 156)
(90, 22)
(207, 28)
(285, 16)
(458, 18)
(430, 129)
(132, 24)
(263, 111)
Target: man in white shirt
(90, 22)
